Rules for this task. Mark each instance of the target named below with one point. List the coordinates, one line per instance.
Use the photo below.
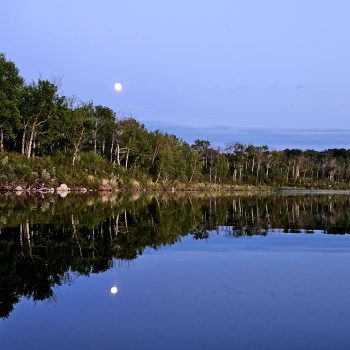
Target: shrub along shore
(92, 173)
(47, 139)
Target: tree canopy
(37, 121)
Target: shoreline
(208, 189)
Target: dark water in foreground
(189, 272)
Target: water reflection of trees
(45, 241)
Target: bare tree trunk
(95, 141)
(35, 145)
(75, 235)
(118, 154)
(23, 141)
(111, 156)
(235, 175)
(127, 158)
(27, 232)
(154, 155)
(30, 143)
(95, 135)
(1, 140)
(193, 170)
(21, 236)
(112, 146)
(77, 146)
(75, 155)
(117, 226)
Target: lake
(180, 271)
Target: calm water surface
(187, 272)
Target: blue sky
(186, 66)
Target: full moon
(118, 87)
(114, 289)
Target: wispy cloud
(278, 138)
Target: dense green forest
(47, 138)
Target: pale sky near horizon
(235, 64)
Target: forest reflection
(44, 241)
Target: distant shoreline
(311, 191)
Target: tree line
(36, 121)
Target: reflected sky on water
(223, 282)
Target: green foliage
(83, 141)
(10, 86)
(39, 106)
(51, 171)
